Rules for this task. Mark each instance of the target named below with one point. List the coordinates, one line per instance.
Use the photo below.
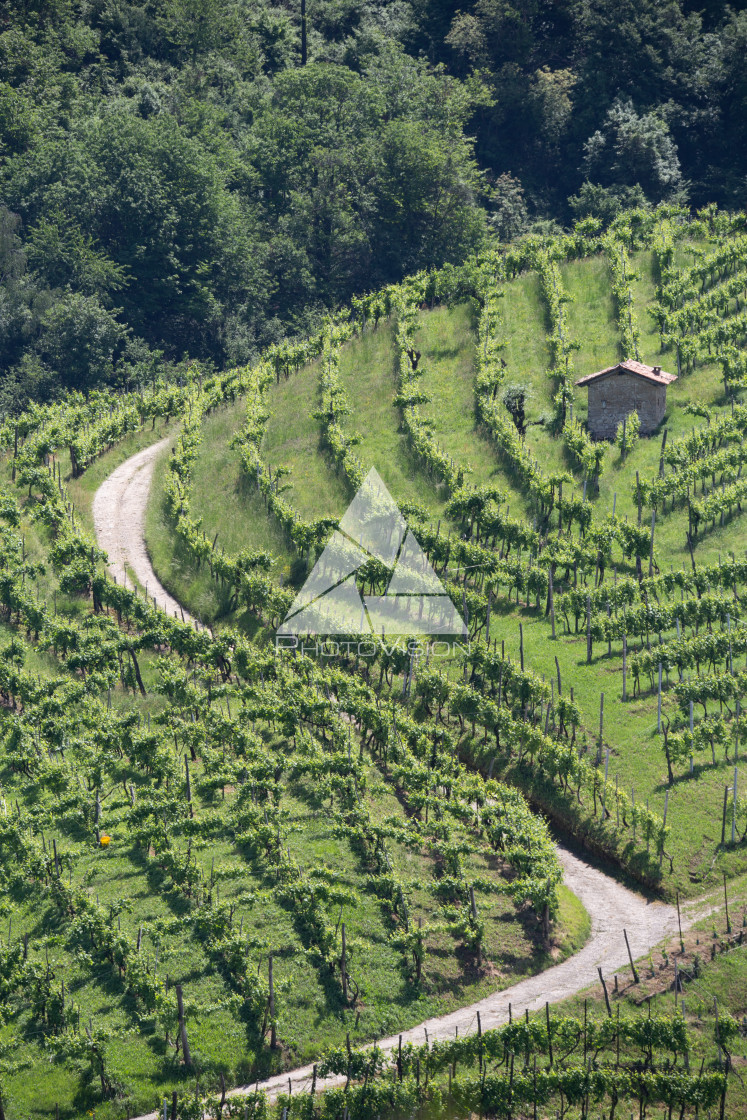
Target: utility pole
(303, 33)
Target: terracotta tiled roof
(651, 373)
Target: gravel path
(119, 520)
(610, 906)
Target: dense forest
(198, 178)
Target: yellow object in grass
(105, 841)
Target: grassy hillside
(181, 807)
(137, 897)
(446, 337)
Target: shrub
(627, 433)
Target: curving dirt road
(610, 906)
(119, 520)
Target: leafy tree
(16, 293)
(515, 399)
(644, 50)
(551, 92)
(64, 256)
(605, 203)
(174, 159)
(509, 217)
(630, 149)
(726, 140)
(17, 120)
(81, 340)
(426, 197)
(29, 380)
(197, 26)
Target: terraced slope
(182, 807)
(447, 339)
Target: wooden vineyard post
(651, 549)
(521, 646)
(630, 956)
(588, 630)
(604, 988)
(734, 809)
(726, 906)
(189, 786)
(182, 1026)
(727, 790)
(663, 826)
(479, 1035)
(661, 453)
(736, 722)
(679, 921)
(601, 720)
(605, 814)
(551, 600)
(658, 704)
(343, 967)
(638, 495)
(15, 454)
(273, 1033)
(473, 910)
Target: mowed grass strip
(293, 440)
(369, 378)
(446, 337)
(524, 327)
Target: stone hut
(627, 387)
